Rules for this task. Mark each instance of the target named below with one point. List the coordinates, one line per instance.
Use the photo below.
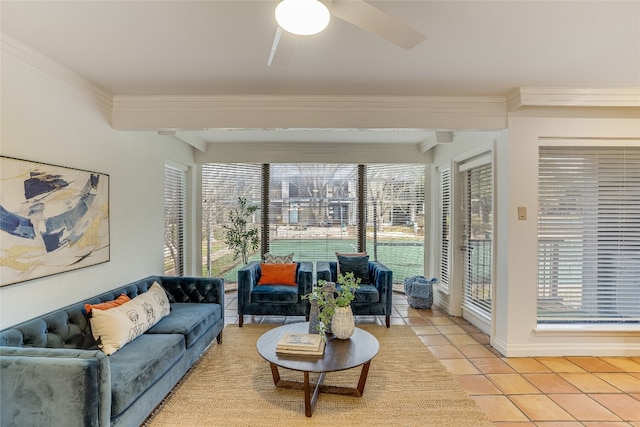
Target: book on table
(300, 344)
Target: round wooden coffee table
(338, 356)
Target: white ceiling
(221, 47)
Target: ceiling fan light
(302, 17)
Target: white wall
(49, 115)
(518, 334)
(515, 331)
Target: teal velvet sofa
(53, 374)
(373, 298)
(273, 299)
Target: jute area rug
(232, 385)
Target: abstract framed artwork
(53, 219)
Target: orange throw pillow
(107, 304)
(278, 274)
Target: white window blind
(396, 217)
(445, 226)
(313, 210)
(222, 185)
(175, 192)
(589, 235)
(478, 235)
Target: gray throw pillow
(278, 259)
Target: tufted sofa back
(67, 327)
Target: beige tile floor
(532, 391)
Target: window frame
(180, 182)
(357, 213)
(546, 208)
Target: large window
(589, 235)
(222, 185)
(316, 210)
(395, 217)
(175, 193)
(313, 210)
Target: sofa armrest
(304, 278)
(381, 277)
(54, 386)
(248, 277)
(193, 289)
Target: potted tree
(238, 236)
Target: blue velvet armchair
(273, 299)
(371, 299)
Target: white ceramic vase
(342, 323)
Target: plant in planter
(347, 292)
(342, 322)
(330, 300)
(238, 236)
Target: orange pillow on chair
(278, 274)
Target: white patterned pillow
(115, 327)
(278, 259)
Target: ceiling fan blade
(274, 46)
(374, 20)
(281, 49)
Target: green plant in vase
(328, 297)
(342, 322)
(321, 298)
(347, 292)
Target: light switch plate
(522, 213)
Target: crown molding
(429, 142)
(267, 111)
(435, 138)
(14, 50)
(574, 97)
(193, 140)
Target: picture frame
(53, 219)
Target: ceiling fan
(356, 12)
